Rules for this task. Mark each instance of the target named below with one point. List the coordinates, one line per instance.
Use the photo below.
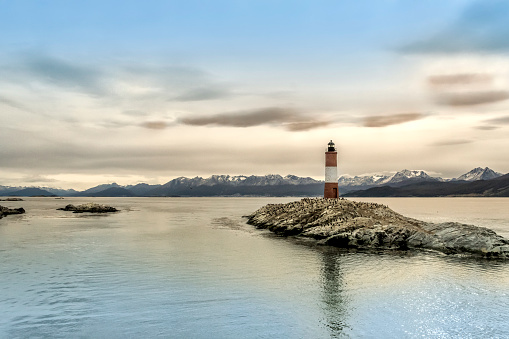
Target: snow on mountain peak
(380, 179)
(479, 173)
(242, 180)
(406, 175)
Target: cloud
(155, 125)
(13, 103)
(486, 128)
(38, 178)
(119, 83)
(498, 121)
(113, 124)
(387, 120)
(482, 26)
(245, 118)
(306, 126)
(135, 113)
(166, 75)
(452, 142)
(173, 83)
(459, 79)
(468, 88)
(128, 155)
(468, 98)
(200, 94)
(64, 74)
(286, 117)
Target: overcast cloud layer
(105, 91)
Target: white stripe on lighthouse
(331, 174)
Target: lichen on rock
(364, 225)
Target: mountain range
(406, 177)
(267, 185)
(477, 182)
(347, 184)
(496, 187)
(216, 185)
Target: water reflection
(333, 296)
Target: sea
(193, 268)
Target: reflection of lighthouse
(331, 172)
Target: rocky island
(349, 224)
(90, 207)
(7, 211)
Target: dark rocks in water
(90, 207)
(349, 224)
(8, 211)
(12, 199)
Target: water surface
(192, 268)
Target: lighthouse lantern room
(331, 172)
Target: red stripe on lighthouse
(330, 190)
(331, 159)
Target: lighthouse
(331, 172)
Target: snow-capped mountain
(405, 175)
(364, 180)
(380, 179)
(295, 180)
(272, 185)
(241, 180)
(479, 173)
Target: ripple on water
(427, 295)
(191, 268)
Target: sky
(95, 92)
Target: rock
(12, 199)
(363, 225)
(8, 211)
(90, 207)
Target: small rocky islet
(371, 226)
(8, 211)
(89, 207)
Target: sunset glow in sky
(93, 92)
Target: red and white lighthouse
(331, 172)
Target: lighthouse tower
(331, 172)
